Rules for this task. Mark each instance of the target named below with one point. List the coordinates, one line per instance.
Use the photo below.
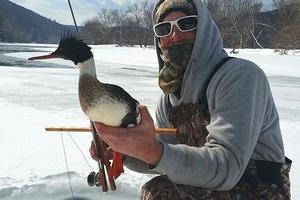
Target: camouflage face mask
(176, 58)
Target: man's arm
(239, 99)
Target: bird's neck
(87, 67)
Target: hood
(207, 53)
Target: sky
(58, 10)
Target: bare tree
(147, 24)
(243, 17)
(119, 18)
(106, 20)
(237, 21)
(98, 29)
(93, 30)
(240, 21)
(288, 36)
(216, 8)
(289, 10)
(137, 11)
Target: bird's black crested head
(72, 48)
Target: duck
(101, 102)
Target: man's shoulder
(238, 67)
(237, 72)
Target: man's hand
(138, 141)
(108, 152)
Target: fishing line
(62, 139)
(77, 146)
(67, 166)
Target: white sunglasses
(184, 24)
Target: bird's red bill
(43, 57)
(117, 166)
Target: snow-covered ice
(35, 95)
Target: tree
(237, 21)
(241, 23)
(147, 24)
(136, 11)
(94, 31)
(288, 36)
(98, 29)
(119, 18)
(106, 20)
(242, 16)
(288, 9)
(141, 11)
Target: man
(228, 143)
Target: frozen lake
(34, 95)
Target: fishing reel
(93, 179)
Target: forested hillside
(18, 24)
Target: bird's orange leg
(116, 167)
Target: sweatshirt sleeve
(237, 99)
(161, 113)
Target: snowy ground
(34, 95)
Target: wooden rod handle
(104, 160)
(161, 131)
(100, 153)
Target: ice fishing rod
(74, 20)
(62, 139)
(96, 178)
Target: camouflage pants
(248, 188)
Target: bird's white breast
(108, 111)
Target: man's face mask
(176, 58)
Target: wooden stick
(161, 131)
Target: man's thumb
(144, 112)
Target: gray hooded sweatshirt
(244, 121)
